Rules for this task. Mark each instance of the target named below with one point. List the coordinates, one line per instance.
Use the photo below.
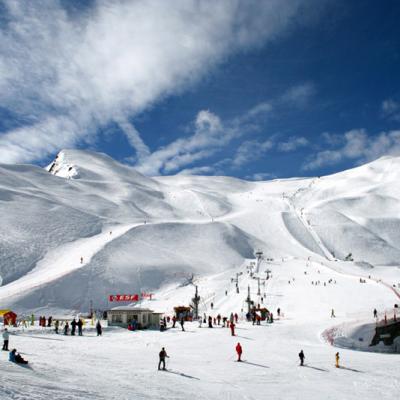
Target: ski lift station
(143, 318)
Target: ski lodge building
(143, 318)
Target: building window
(117, 318)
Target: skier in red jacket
(239, 351)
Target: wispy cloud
(357, 145)
(251, 150)
(67, 74)
(210, 136)
(391, 109)
(292, 144)
(261, 176)
(299, 95)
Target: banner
(130, 297)
(124, 297)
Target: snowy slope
(166, 227)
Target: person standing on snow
(302, 357)
(66, 328)
(80, 325)
(99, 328)
(182, 322)
(56, 325)
(210, 325)
(333, 313)
(232, 326)
(73, 327)
(239, 351)
(162, 355)
(337, 358)
(6, 337)
(375, 313)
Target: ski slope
(168, 226)
(202, 360)
(136, 233)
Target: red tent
(10, 318)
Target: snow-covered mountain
(139, 233)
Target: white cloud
(391, 109)
(261, 176)
(70, 73)
(251, 150)
(299, 95)
(357, 145)
(292, 143)
(210, 136)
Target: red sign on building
(124, 297)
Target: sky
(256, 89)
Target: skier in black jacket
(302, 357)
(163, 354)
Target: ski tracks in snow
(63, 260)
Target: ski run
(319, 254)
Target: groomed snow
(136, 233)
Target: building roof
(132, 308)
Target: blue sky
(253, 89)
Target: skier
(337, 358)
(219, 319)
(333, 313)
(66, 328)
(56, 325)
(16, 357)
(6, 337)
(239, 351)
(210, 325)
(73, 327)
(162, 326)
(32, 320)
(80, 325)
(375, 313)
(212, 306)
(236, 317)
(232, 326)
(200, 320)
(278, 312)
(99, 328)
(81, 260)
(163, 354)
(173, 321)
(302, 357)
(182, 322)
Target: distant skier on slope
(302, 357)
(337, 358)
(375, 313)
(99, 329)
(239, 351)
(182, 322)
(333, 313)
(162, 355)
(232, 326)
